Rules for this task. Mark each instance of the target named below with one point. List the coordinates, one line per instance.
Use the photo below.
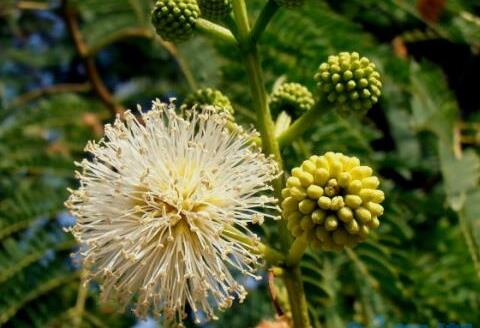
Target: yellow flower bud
(314, 191)
(332, 201)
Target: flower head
(333, 200)
(349, 81)
(163, 209)
(209, 97)
(174, 20)
(215, 9)
(293, 98)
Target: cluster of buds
(293, 98)
(332, 200)
(215, 9)
(349, 81)
(209, 97)
(174, 20)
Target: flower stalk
(292, 276)
(216, 31)
(300, 125)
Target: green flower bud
(209, 97)
(290, 3)
(293, 98)
(332, 200)
(349, 81)
(174, 20)
(215, 9)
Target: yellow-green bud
(306, 206)
(215, 9)
(298, 193)
(318, 216)
(174, 20)
(331, 223)
(314, 191)
(293, 98)
(332, 200)
(306, 223)
(324, 202)
(349, 81)
(209, 97)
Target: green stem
(231, 25)
(272, 256)
(296, 296)
(263, 20)
(215, 30)
(300, 125)
(292, 277)
(260, 100)
(297, 250)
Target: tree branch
(89, 61)
(49, 90)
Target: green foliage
(421, 266)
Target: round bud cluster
(215, 9)
(209, 97)
(349, 81)
(290, 3)
(174, 20)
(333, 201)
(293, 98)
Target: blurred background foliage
(67, 67)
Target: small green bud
(290, 3)
(209, 97)
(318, 216)
(306, 223)
(332, 200)
(174, 20)
(331, 223)
(374, 223)
(293, 98)
(289, 204)
(293, 182)
(314, 191)
(285, 193)
(309, 166)
(298, 193)
(306, 206)
(349, 81)
(337, 203)
(353, 227)
(324, 202)
(363, 215)
(353, 201)
(215, 9)
(321, 176)
(345, 214)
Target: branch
(216, 31)
(97, 83)
(49, 90)
(129, 32)
(300, 125)
(263, 20)
(82, 295)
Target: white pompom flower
(164, 207)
